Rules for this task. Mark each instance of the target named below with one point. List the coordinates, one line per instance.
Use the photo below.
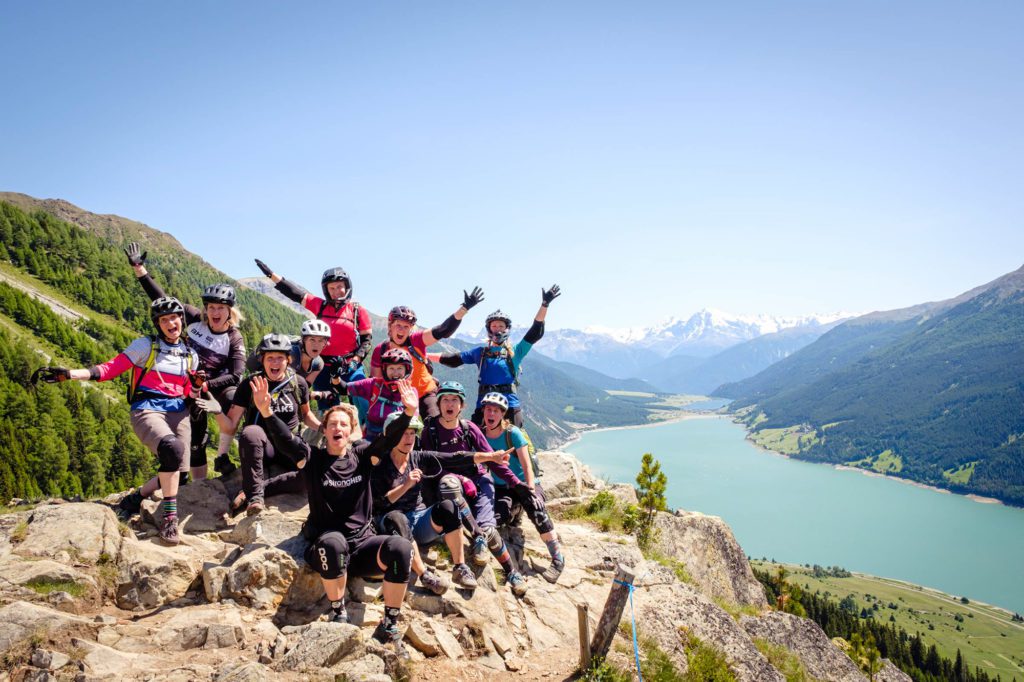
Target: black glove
(264, 268)
(471, 299)
(550, 295)
(50, 375)
(136, 256)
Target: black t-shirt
(286, 396)
(432, 464)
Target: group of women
(394, 467)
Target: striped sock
(555, 549)
(170, 507)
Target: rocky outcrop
(713, 558)
(236, 602)
(890, 673)
(805, 638)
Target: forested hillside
(933, 393)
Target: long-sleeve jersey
(465, 437)
(350, 324)
(338, 487)
(386, 476)
(498, 365)
(383, 396)
(165, 384)
(221, 354)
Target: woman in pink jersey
(162, 369)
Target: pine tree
(650, 491)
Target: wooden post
(583, 616)
(617, 598)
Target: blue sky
(652, 158)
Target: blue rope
(632, 615)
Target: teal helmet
(452, 388)
(416, 424)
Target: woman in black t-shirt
(339, 526)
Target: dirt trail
(54, 305)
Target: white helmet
(497, 399)
(316, 328)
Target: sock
(170, 507)
(339, 605)
(468, 520)
(391, 617)
(555, 549)
(225, 443)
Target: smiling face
(399, 330)
(170, 327)
(338, 431)
(315, 345)
(337, 290)
(275, 364)
(493, 416)
(218, 316)
(394, 372)
(450, 406)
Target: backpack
(530, 449)
(413, 352)
(378, 388)
(154, 350)
(503, 352)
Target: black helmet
(274, 343)
(165, 305)
(336, 275)
(219, 293)
(402, 312)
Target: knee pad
(396, 523)
(449, 487)
(328, 556)
(541, 520)
(170, 452)
(396, 554)
(494, 541)
(446, 515)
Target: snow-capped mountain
(624, 352)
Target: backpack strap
(154, 348)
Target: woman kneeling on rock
(339, 526)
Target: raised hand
(136, 256)
(260, 394)
(410, 398)
(50, 375)
(471, 299)
(550, 295)
(264, 268)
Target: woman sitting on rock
(339, 527)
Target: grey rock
(712, 556)
(446, 641)
(102, 661)
(151, 575)
(85, 531)
(38, 676)
(260, 577)
(367, 667)
(202, 507)
(890, 673)
(19, 620)
(249, 671)
(420, 636)
(805, 638)
(321, 645)
(564, 475)
(49, 660)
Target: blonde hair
(350, 411)
(235, 317)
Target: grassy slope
(988, 640)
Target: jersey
(315, 364)
(383, 401)
(422, 379)
(221, 354)
(286, 398)
(347, 323)
(501, 442)
(495, 370)
(163, 386)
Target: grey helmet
(219, 293)
(274, 343)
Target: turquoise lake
(799, 512)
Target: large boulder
(273, 527)
(83, 531)
(260, 577)
(890, 673)
(714, 559)
(321, 645)
(564, 475)
(805, 638)
(202, 507)
(22, 572)
(151, 575)
(672, 613)
(20, 620)
(206, 627)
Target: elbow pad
(290, 289)
(446, 328)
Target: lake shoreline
(579, 433)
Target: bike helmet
(396, 356)
(401, 312)
(165, 305)
(498, 337)
(336, 275)
(219, 293)
(316, 328)
(495, 399)
(452, 388)
(274, 343)
(416, 424)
